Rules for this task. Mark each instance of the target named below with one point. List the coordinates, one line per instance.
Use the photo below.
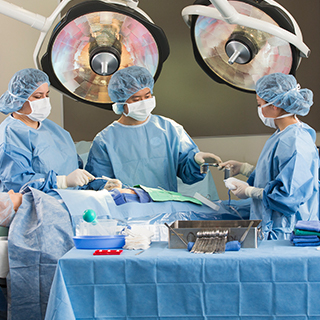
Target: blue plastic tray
(99, 242)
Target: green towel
(164, 195)
(299, 232)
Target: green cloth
(299, 232)
(4, 231)
(164, 195)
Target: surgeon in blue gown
(142, 148)
(33, 149)
(284, 185)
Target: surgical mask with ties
(269, 122)
(40, 109)
(140, 110)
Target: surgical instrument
(243, 237)
(211, 241)
(227, 173)
(205, 166)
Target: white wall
(18, 41)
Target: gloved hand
(113, 184)
(206, 157)
(78, 177)
(237, 167)
(254, 193)
(233, 165)
(240, 187)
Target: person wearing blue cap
(140, 147)
(35, 151)
(284, 185)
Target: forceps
(205, 166)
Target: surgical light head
(284, 92)
(20, 87)
(126, 82)
(238, 42)
(94, 40)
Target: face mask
(40, 109)
(140, 110)
(269, 122)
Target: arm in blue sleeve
(292, 187)
(17, 171)
(188, 170)
(98, 163)
(94, 185)
(250, 180)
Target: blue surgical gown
(36, 155)
(287, 170)
(152, 154)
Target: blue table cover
(274, 281)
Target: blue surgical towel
(308, 244)
(308, 225)
(306, 240)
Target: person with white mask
(284, 185)
(34, 150)
(140, 147)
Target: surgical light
(93, 40)
(236, 42)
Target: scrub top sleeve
(98, 163)
(44, 184)
(17, 171)
(292, 187)
(188, 170)
(250, 180)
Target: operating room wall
(18, 41)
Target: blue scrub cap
(126, 82)
(283, 91)
(20, 88)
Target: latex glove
(233, 165)
(78, 177)
(206, 157)
(255, 193)
(240, 187)
(237, 167)
(113, 184)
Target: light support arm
(227, 11)
(32, 19)
(231, 16)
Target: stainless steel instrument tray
(187, 229)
